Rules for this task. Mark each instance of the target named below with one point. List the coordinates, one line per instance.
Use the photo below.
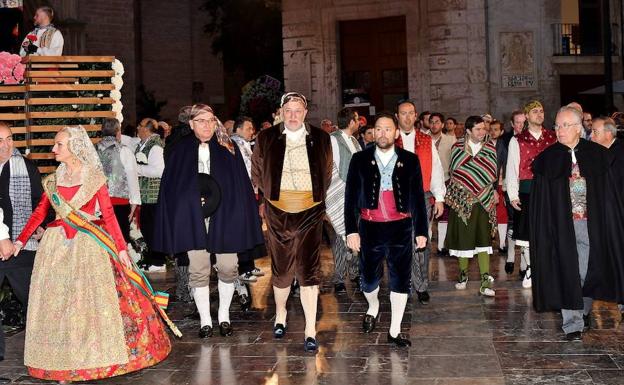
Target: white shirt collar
(385, 156)
(475, 147)
(295, 135)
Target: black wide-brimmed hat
(209, 193)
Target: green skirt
(466, 240)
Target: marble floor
(460, 338)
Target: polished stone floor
(459, 338)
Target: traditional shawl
(472, 178)
(46, 37)
(20, 195)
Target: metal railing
(567, 39)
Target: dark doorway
(590, 30)
(373, 58)
(571, 85)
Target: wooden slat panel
(18, 130)
(40, 155)
(54, 65)
(72, 114)
(44, 101)
(7, 89)
(47, 169)
(12, 116)
(87, 127)
(71, 87)
(70, 59)
(19, 143)
(12, 103)
(53, 80)
(69, 73)
(50, 142)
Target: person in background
(45, 39)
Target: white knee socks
(442, 226)
(226, 291)
(373, 302)
(202, 301)
(502, 235)
(309, 301)
(525, 258)
(281, 297)
(397, 304)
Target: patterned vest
(149, 186)
(530, 148)
(345, 153)
(109, 151)
(423, 150)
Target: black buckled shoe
(586, 323)
(574, 336)
(400, 340)
(226, 329)
(340, 288)
(369, 323)
(245, 302)
(205, 331)
(509, 267)
(279, 331)
(423, 297)
(310, 345)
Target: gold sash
(294, 201)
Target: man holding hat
(191, 216)
(523, 149)
(292, 168)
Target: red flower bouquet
(31, 37)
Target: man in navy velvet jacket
(384, 192)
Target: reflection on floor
(459, 338)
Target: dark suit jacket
(364, 182)
(268, 161)
(36, 191)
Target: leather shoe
(244, 301)
(574, 336)
(586, 323)
(310, 345)
(4, 380)
(340, 288)
(205, 331)
(423, 297)
(225, 329)
(279, 331)
(369, 323)
(509, 267)
(400, 340)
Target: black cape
(235, 225)
(615, 215)
(554, 259)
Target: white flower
(118, 67)
(119, 117)
(117, 82)
(115, 95)
(117, 106)
(141, 158)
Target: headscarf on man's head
(531, 105)
(220, 131)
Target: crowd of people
(201, 190)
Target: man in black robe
(568, 235)
(604, 132)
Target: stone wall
(459, 59)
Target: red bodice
(108, 220)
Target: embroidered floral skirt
(85, 319)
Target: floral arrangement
(260, 97)
(11, 69)
(115, 94)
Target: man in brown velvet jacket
(291, 165)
